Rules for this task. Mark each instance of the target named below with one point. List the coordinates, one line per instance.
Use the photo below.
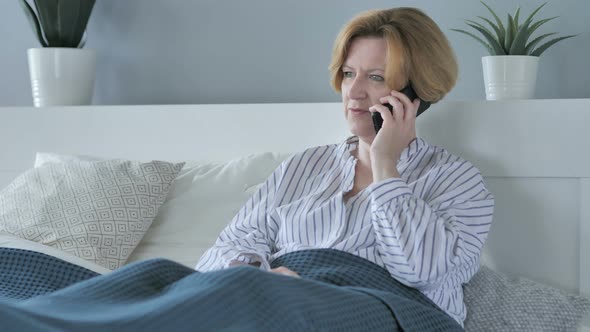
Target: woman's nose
(357, 89)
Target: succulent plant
(513, 37)
(59, 23)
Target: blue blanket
(337, 292)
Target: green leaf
(523, 33)
(486, 45)
(469, 22)
(498, 50)
(499, 33)
(509, 34)
(76, 13)
(535, 41)
(83, 41)
(519, 44)
(530, 18)
(33, 21)
(498, 21)
(548, 44)
(64, 21)
(536, 25)
(48, 15)
(516, 14)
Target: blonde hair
(417, 51)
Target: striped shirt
(427, 228)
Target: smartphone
(408, 91)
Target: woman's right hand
(285, 271)
(279, 270)
(240, 263)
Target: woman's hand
(240, 263)
(285, 271)
(398, 130)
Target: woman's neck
(363, 155)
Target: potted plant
(510, 72)
(62, 73)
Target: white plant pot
(510, 76)
(62, 76)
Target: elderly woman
(388, 197)
(379, 232)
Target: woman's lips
(357, 110)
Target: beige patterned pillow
(98, 211)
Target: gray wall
(258, 51)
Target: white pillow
(202, 200)
(98, 211)
(42, 158)
(11, 241)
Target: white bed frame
(533, 153)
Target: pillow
(11, 241)
(42, 158)
(96, 210)
(202, 200)
(497, 302)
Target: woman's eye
(347, 74)
(377, 78)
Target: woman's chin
(364, 131)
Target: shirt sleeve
(247, 238)
(423, 239)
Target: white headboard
(533, 154)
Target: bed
(531, 152)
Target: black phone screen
(408, 91)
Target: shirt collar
(412, 149)
(415, 146)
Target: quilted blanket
(337, 291)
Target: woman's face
(363, 83)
